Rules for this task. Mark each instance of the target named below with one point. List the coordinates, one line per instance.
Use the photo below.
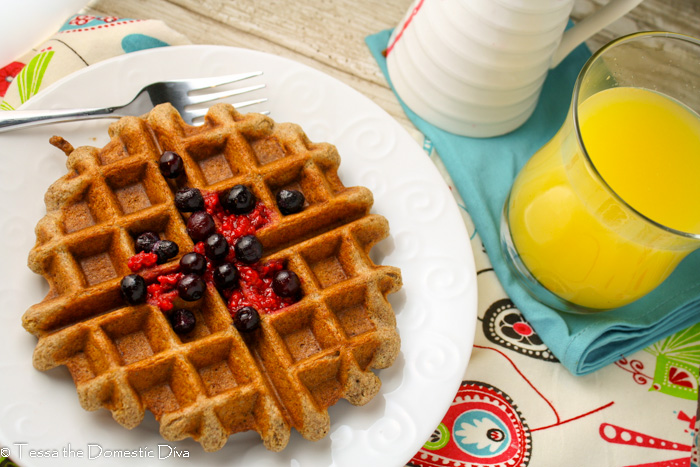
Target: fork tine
(223, 94)
(192, 114)
(238, 105)
(203, 83)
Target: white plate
(436, 309)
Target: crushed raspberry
(234, 226)
(199, 248)
(256, 289)
(142, 260)
(163, 293)
(211, 202)
(163, 300)
(169, 280)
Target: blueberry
(200, 225)
(171, 164)
(248, 249)
(193, 263)
(145, 241)
(290, 201)
(189, 200)
(286, 283)
(191, 287)
(246, 319)
(238, 200)
(133, 288)
(165, 250)
(225, 276)
(182, 321)
(216, 247)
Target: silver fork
(176, 92)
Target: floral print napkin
(82, 41)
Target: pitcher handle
(590, 25)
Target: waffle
(213, 381)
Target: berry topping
(200, 225)
(246, 319)
(193, 263)
(182, 321)
(225, 276)
(191, 287)
(142, 260)
(145, 242)
(238, 200)
(290, 201)
(165, 250)
(216, 247)
(239, 275)
(133, 288)
(248, 249)
(286, 283)
(171, 165)
(189, 200)
(163, 292)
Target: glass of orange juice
(604, 212)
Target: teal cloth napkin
(483, 171)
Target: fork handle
(16, 119)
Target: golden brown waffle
(214, 381)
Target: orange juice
(586, 245)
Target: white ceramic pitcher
(476, 67)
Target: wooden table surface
(329, 34)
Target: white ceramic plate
(436, 309)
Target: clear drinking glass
(605, 211)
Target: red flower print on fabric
(680, 377)
(81, 19)
(7, 74)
